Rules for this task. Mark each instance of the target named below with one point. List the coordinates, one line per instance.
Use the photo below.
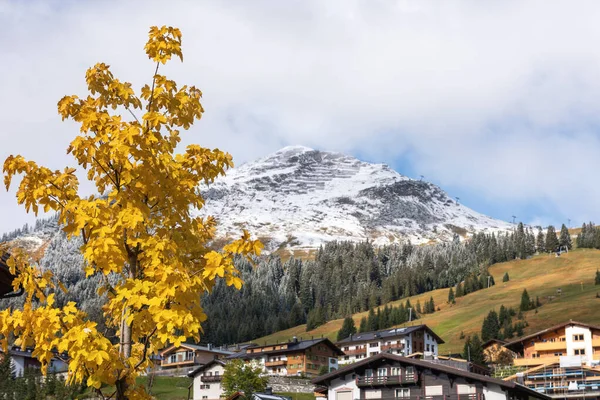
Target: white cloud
(499, 97)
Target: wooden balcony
(181, 361)
(393, 346)
(277, 363)
(211, 378)
(526, 362)
(355, 352)
(596, 342)
(550, 346)
(386, 380)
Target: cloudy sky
(498, 102)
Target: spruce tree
(372, 321)
(490, 328)
(347, 329)
(459, 290)
(431, 305)
(597, 280)
(505, 278)
(363, 325)
(525, 301)
(565, 237)
(419, 311)
(551, 239)
(451, 299)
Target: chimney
(294, 339)
(210, 346)
(269, 390)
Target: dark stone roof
(201, 368)
(387, 333)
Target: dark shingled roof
(436, 367)
(291, 347)
(388, 333)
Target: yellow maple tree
(139, 227)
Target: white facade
(207, 384)
(400, 344)
(579, 343)
(343, 388)
(274, 364)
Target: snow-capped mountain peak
(299, 197)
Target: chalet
(402, 341)
(267, 395)
(561, 361)
(23, 359)
(294, 358)
(391, 376)
(207, 380)
(569, 339)
(187, 357)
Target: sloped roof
(388, 333)
(291, 347)
(201, 368)
(436, 367)
(196, 347)
(548, 330)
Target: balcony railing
(472, 396)
(535, 361)
(276, 363)
(211, 378)
(386, 380)
(549, 346)
(393, 346)
(355, 352)
(178, 361)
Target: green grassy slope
(541, 276)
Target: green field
(541, 275)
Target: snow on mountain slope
(299, 198)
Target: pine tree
(551, 239)
(597, 280)
(363, 325)
(451, 299)
(473, 350)
(505, 278)
(490, 328)
(372, 321)
(525, 301)
(565, 238)
(419, 311)
(431, 305)
(347, 329)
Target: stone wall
(281, 384)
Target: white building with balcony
(400, 341)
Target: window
(216, 373)
(204, 386)
(346, 357)
(410, 372)
(579, 352)
(374, 344)
(403, 393)
(372, 394)
(368, 373)
(346, 348)
(173, 358)
(396, 371)
(374, 353)
(578, 337)
(189, 356)
(382, 372)
(436, 390)
(427, 346)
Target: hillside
(299, 198)
(541, 275)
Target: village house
(562, 361)
(294, 358)
(390, 376)
(402, 341)
(495, 352)
(207, 380)
(187, 357)
(23, 359)
(454, 362)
